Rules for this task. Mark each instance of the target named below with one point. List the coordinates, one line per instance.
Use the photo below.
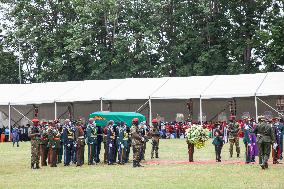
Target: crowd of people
(50, 141)
(19, 133)
(53, 141)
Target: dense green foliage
(82, 39)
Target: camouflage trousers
(35, 152)
(136, 152)
(235, 141)
(155, 148)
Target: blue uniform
(68, 141)
(110, 144)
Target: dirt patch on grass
(203, 162)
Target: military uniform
(155, 135)
(265, 137)
(34, 134)
(60, 146)
(43, 146)
(143, 132)
(233, 130)
(68, 140)
(99, 142)
(136, 142)
(110, 144)
(277, 151)
(122, 143)
(80, 145)
(53, 144)
(92, 143)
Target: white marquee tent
(174, 88)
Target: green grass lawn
(15, 171)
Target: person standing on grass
(265, 137)
(16, 136)
(233, 130)
(218, 143)
(34, 134)
(91, 141)
(155, 135)
(110, 143)
(136, 142)
(7, 132)
(80, 143)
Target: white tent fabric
(183, 87)
(228, 86)
(10, 92)
(90, 90)
(272, 85)
(46, 93)
(136, 88)
(220, 86)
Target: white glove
(275, 146)
(143, 139)
(68, 145)
(122, 146)
(110, 145)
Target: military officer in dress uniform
(80, 144)
(91, 141)
(110, 143)
(68, 140)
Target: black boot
(134, 164)
(32, 166)
(238, 155)
(37, 166)
(139, 165)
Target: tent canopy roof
(218, 86)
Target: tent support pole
(255, 104)
(101, 104)
(200, 109)
(9, 122)
(150, 111)
(55, 110)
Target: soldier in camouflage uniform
(137, 142)
(155, 135)
(265, 137)
(233, 130)
(34, 134)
